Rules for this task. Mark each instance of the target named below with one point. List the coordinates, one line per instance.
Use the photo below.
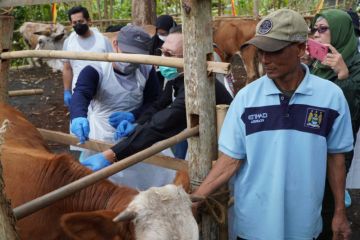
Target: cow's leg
(251, 63)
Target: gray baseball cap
(278, 30)
(133, 39)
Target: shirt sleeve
(340, 138)
(65, 48)
(150, 94)
(232, 139)
(84, 91)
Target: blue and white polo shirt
(284, 144)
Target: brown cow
(31, 170)
(229, 35)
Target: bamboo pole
(217, 67)
(26, 92)
(65, 191)
(99, 146)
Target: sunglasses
(168, 53)
(320, 29)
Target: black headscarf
(164, 22)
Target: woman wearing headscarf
(334, 28)
(163, 25)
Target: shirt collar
(305, 86)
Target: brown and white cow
(229, 35)
(30, 170)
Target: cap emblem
(265, 27)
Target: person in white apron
(119, 87)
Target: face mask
(81, 29)
(162, 38)
(169, 73)
(126, 68)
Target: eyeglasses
(320, 29)
(166, 53)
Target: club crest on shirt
(314, 118)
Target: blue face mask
(169, 73)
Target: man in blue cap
(283, 134)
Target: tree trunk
(7, 219)
(99, 9)
(143, 12)
(106, 13)
(111, 9)
(256, 8)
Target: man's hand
(80, 127)
(340, 226)
(124, 129)
(96, 162)
(67, 97)
(117, 117)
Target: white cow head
(162, 213)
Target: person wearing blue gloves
(165, 118)
(83, 39)
(124, 88)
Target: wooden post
(6, 35)
(200, 96)
(7, 219)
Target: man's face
(173, 46)
(78, 18)
(278, 65)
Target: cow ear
(94, 225)
(59, 37)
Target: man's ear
(97, 225)
(302, 48)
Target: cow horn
(197, 198)
(125, 216)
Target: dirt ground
(47, 111)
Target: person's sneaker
(347, 199)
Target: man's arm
(150, 94)
(67, 76)
(220, 174)
(85, 90)
(336, 176)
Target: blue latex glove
(80, 127)
(116, 118)
(67, 97)
(96, 162)
(124, 129)
(347, 199)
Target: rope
(215, 208)
(3, 129)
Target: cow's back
(229, 35)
